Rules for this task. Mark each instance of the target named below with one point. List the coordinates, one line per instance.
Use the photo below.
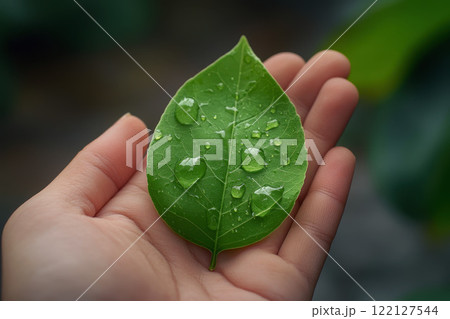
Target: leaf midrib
(214, 252)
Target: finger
(283, 67)
(327, 120)
(307, 83)
(99, 170)
(133, 202)
(324, 125)
(318, 218)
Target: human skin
(61, 240)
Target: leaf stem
(212, 264)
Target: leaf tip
(243, 39)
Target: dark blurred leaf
(383, 45)
(437, 294)
(410, 149)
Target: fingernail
(125, 115)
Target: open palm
(74, 238)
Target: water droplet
(207, 145)
(273, 109)
(169, 137)
(187, 111)
(231, 109)
(220, 86)
(157, 135)
(252, 159)
(277, 141)
(221, 133)
(239, 218)
(212, 218)
(247, 59)
(256, 134)
(238, 191)
(203, 117)
(235, 210)
(250, 86)
(232, 78)
(265, 198)
(209, 90)
(247, 125)
(272, 124)
(215, 117)
(190, 170)
(286, 161)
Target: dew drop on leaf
(190, 170)
(157, 135)
(212, 218)
(220, 86)
(256, 134)
(203, 117)
(252, 159)
(273, 109)
(277, 142)
(231, 109)
(272, 124)
(265, 198)
(187, 111)
(247, 59)
(238, 191)
(250, 86)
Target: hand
(60, 241)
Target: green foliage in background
(436, 294)
(410, 150)
(242, 197)
(384, 45)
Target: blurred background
(63, 82)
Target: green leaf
(387, 41)
(235, 109)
